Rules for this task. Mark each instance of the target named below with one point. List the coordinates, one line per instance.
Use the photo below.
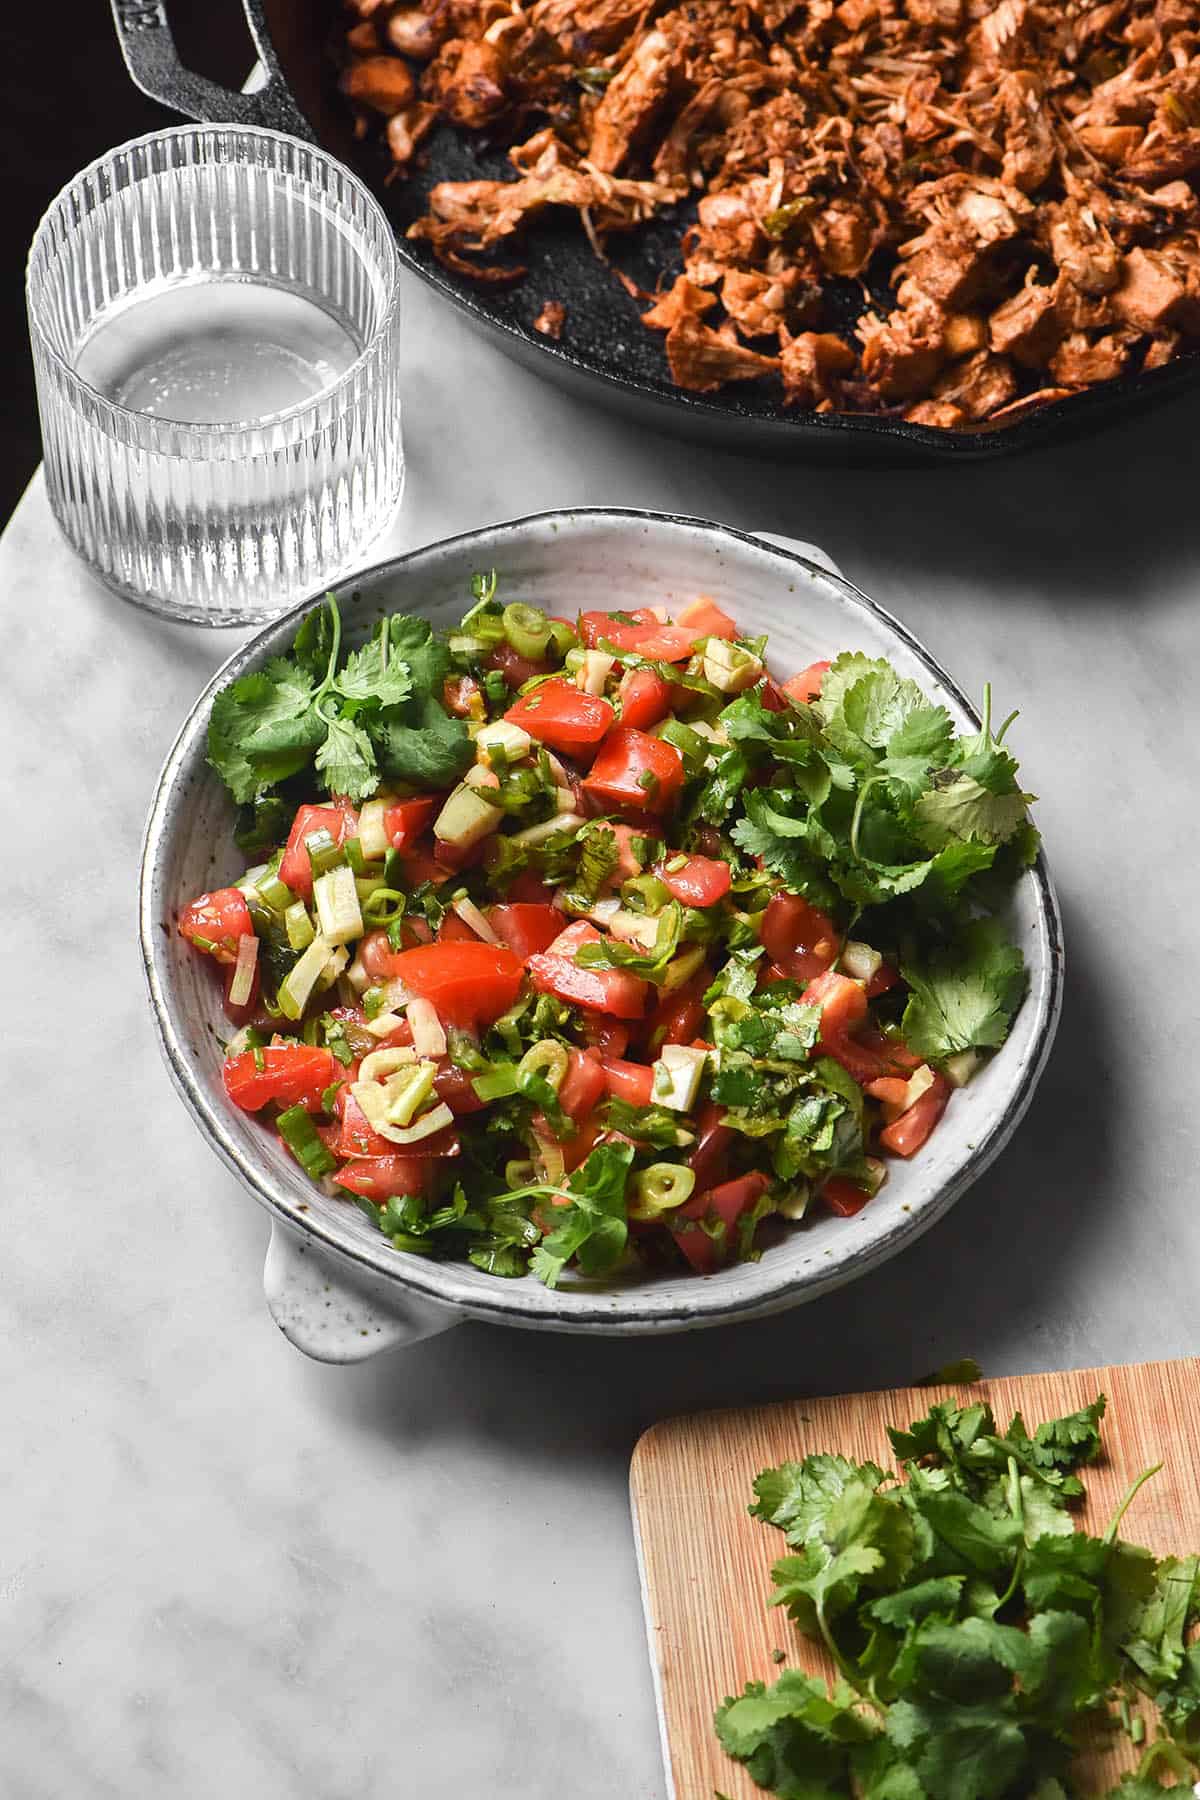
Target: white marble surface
(226, 1570)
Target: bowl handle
(337, 1317)
(798, 547)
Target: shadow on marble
(1099, 519)
(1000, 1271)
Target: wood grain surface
(706, 1564)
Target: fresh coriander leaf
(938, 1597)
(651, 965)
(366, 678)
(966, 1369)
(593, 1226)
(963, 810)
(797, 1496)
(973, 1752)
(1070, 1442)
(1156, 1643)
(421, 743)
(963, 997)
(864, 1541)
(413, 643)
(250, 709)
(347, 760)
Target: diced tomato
(530, 890)
(454, 1086)
(339, 819)
(454, 930)
(843, 1197)
(461, 695)
(357, 1137)
(377, 956)
(807, 684)
(631, 1082)
(889, 1090)
(843, 1006)
(216, 921)
(679, 1015)
(468, 984)
(515, 668)
(561, 715)
(645, 698)
(420, 866)
(242, 1015)
(607, 1036)
(906, 1134)
(634, 769)
(701, 882)
(705, 617)
(650, 638)
(883, 980)
(613, 991)
(727, 1203)
(578, 1147)
(708, 1159)
(583, 1084)
(291, 1075)
(797, 937)
(573, 937)
(525, 926)
(404, 821)
(772, 695)
(411, 1171)
(628, 864)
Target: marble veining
(226, 1570)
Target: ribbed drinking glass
(214, 315)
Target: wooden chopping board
(706, 1563)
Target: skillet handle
(144, 34)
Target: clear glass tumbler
(214, 317)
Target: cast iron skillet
(606, 354)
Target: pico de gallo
(607, 944)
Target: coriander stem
(1163, 1750)
(331, 669)
(856, 821)
(1110, 1535)
(1014, 714)
(985, 730)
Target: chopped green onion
(518, 1174)
(383, 905)
(690, 745)
(299, 925)
(562, 638)
(498, 1083)
(275, 895)
(546, 1059)
(354, 855)
(644, 894)
(660, 1188)
(323, 853)
(527, 629)
(301, 1137)
(373, 1002)
(468, 648)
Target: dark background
(66, 99)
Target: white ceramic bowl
(334, 1284)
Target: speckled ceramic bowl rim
(778, 1286)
